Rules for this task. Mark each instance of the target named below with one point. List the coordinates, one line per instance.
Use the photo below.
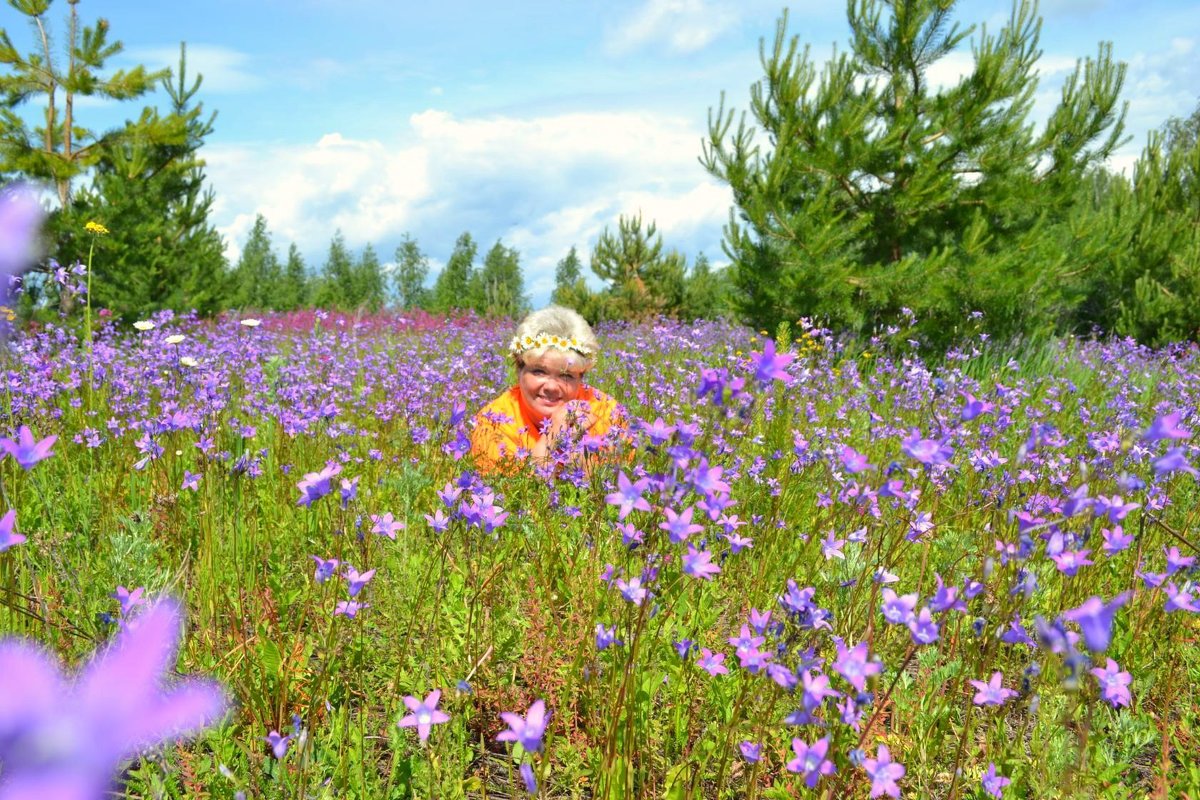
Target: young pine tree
(882, 190)
(412, 269)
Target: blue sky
(536, 123)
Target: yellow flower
(8, 314)
(96, 228)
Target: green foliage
(60, 149)
(881, 192)
(148, 189)
(412, 269)
(452, 290)
(706, 294)
(642, 280)
(336, 288)
(258, 277)
(368, 283)
(294, 290)
(500, 284)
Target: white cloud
(542, 184)
(683, 26)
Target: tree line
(862, 190)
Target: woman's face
(550, 381)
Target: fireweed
(809, 568)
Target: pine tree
(368, 280)
(880, 191)
(642, 279)
(412, 269)
(337, 285)
(503, 286)
(454, 286)
(294, 288)
(148, 190)
(705, 293)
(257, 278)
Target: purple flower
(423, 715)
(1069, 562)
(924, 630)
(751, 751)
(528, 730)
(1095, 619)
(66, 738)
(811, 761)
(973, 407)
(349, 491)
(25, 451)
(191, 480)
(349, 608)
(679, 526)
(127, 599)
(633, 590)
(898, 609)
(1113, 507)
(930, 452)
(1115, 540)
(945, 598)
(816, 689)
(527, 776)
(356, 581)
(832, 548)
(992, 693)
(1180, 599)
(20, 217)
(1077, 501)
(658, 432)
(606, 637)
(386, 525)
(1166, 427)
(854, 461)
(1176, 560)
(994, 784)
(439, 522)
(629, 495)
(279, 743)
(8, 536)
(325, 568)
(1114, 684)
(698, 564)
(316, 485)
(711, 662)
(883, 773)
(771, 367)
(853, 665)
(1174, 461)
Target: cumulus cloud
(541, 184)
(683, 26)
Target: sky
(537, 123)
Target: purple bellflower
(993, 783)
(811, 761)
(526, 731)
(65, 739)
(27, 451)
(1114, 684)
(8, 536)
(1095, 618)
(423, 715)
(883, 773)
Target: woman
(552, 350)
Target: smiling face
(550, 381)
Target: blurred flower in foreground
(26, 450)
(66, 739)
(20, 217)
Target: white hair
(559, 321)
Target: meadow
(811, 567)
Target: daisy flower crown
(521, 344)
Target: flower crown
(521, 344)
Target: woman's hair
(552, 321)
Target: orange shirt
(507, 428)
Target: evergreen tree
(503, 287)
(60, 149)
(368, 281)
(149, 191)
(337, 285)
(257, 278)
(453, 288)
(642, 280)
(412, 269)
(294, 288)
(567, 274)
(705, 293)
(880, 191)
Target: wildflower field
(810, 569)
